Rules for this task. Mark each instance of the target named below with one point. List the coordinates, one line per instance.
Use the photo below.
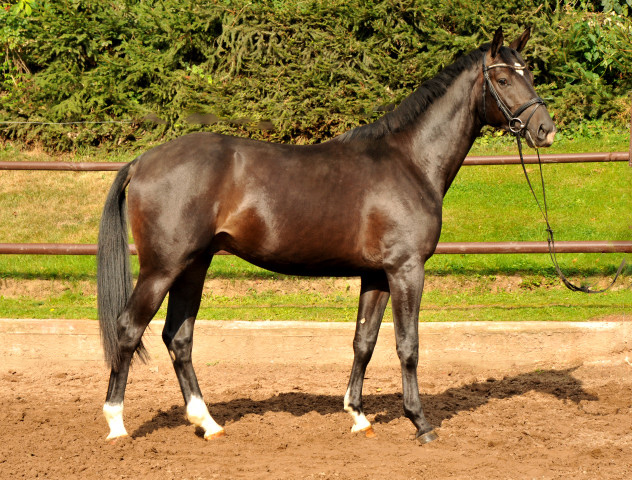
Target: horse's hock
(473, 346)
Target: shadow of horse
(438, 407)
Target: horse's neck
(441, 138)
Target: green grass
(83, 267)
(586, 202)
(491, 203)
(595, 136)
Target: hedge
(295, 71)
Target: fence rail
(453, 248)
(469, 161)
(603, 246)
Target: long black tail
(114, 273)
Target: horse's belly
(331, 267)
(295, 254)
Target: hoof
(369, 432)
(427, 437)
(213, 436)
(115, 440)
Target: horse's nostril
(545, 135)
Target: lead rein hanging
(549, 230)
(517, 127)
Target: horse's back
(320, 209)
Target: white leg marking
(360, 423)
(198, 415)
(114, 415)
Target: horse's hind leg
(131, 324)
(374, 296)
(184, 302)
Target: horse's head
(509, 99)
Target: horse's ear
(497, 42)
(519, 43)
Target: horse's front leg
(373, 299)
(406, 284)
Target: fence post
(630, 148)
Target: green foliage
(312, 68)
(591, 73)
(620, 7)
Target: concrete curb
(487, 346)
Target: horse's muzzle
(544, 136)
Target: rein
(518, 128)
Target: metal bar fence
(453, 248)
(469, 161)
(604, 246)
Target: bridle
(516, 126)
(519, 128)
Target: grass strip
(455, 298)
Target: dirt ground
(284, 419)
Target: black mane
(417, 102)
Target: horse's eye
(502, 81)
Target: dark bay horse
(367, 203)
